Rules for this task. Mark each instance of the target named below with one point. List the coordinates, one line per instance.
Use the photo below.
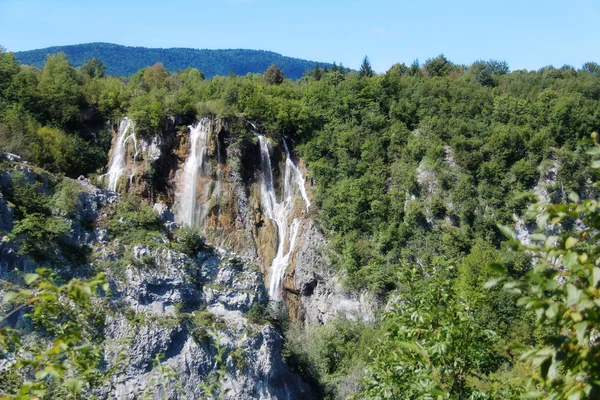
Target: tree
(563, 288)
(156, 76)
(591, 67)
(9, 67)
(67, 314)
(433, 347)
(317, 73)
(365, 68)
(94, 68)
(274, 75)
(439, 66)
(60, 90)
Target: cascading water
(186, 210)
(297, 174)
(118, 162)
(280, 212)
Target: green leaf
(552, 311)
(580, 328)
(571, 241)
(595, 276)
(574, 197)
(532, 395)
(499, 268)
(570, 260)
(506, 231)
(573, 295)
(8, 296)
(492, 282)
(30, 278)
(538, 237)
(41, 374)
(596, 164)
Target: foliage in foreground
(435, 348)
(61, 359)
(563, 289)
(434, 345)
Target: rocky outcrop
(177, 326)
(191, 310)
(313, 289)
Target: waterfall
(297, 174)
(197, 162)
(280, 212)
(118, 161)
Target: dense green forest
(420, 175)
(126, 60)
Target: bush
(135, 223)
(325, 355)
(190, 241)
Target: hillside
(428, 232)
(126, 60)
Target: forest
(126, 60)
(462, 197)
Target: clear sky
(525, 33)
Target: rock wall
(235, 219)
(173, 320)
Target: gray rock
(10, 157)
(322, 297)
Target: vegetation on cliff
(413, 171)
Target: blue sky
(526, 33)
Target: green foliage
(54, 150)
(65, 363)
(125, 61)
(330, 357)
(40, 233)
(190, 241)
(59, 89)
(257, 313)
(439, 66)
(93, 68)
(433, 347)
(563, 291)
(66, 198)
(36, 228)
(274, 75)
(135, 223)
(365, 68)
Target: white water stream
(186, 209)
(118, 162)
(280, 212)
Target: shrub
(135, 223)
(190, 241)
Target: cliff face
(173, 319)
(250, 196)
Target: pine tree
(274, 75)
(365, 68)
(342, 69)
(317, 73)
(334, 68)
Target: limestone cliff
(232, 211)
(190, 311)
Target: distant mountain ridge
(126, 60)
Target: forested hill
(125, 60)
